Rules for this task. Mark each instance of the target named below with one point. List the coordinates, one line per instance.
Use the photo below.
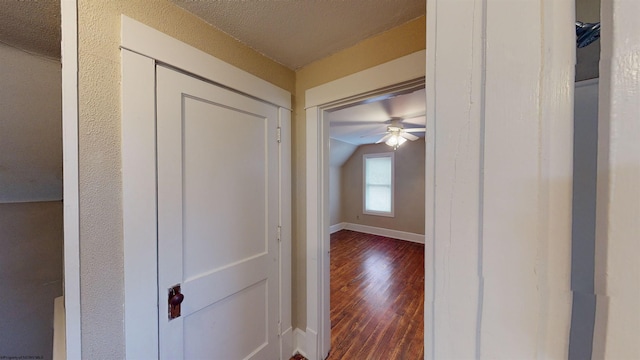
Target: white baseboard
(287, 343)
(337, 227)
(396, 234)
(311, 341)
(300, 342)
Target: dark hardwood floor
(377, 297)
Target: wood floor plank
(377, 297)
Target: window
(378, 184)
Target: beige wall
(400, 41)
(409, 167)
(101, 249)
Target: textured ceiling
(296, 33)
(292, 32)
(33, 26)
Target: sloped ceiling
(340, 152)
(366, 123)
(33, 26)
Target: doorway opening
(403, 75)
(377, 225)
(585, 173)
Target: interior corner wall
(99, 127)
(409, 187)
(395, 43)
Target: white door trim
(394, 72)
(138, 204)
(142, 47)
(154, 44)
(499, 137)
(71, 189)
(617, 196)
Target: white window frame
(364, 184)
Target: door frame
(377, 80)
(142, 47)
(71, 179)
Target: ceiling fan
(397, 135)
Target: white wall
(30, 126)
(617, 279)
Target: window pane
(378, 198)
(379, 171)
(378, 191)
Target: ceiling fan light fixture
(395, 140)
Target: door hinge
(279, 134)
(279, 329)
(279, 233)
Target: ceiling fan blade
(413, 116)
(411, 130)
(408, 136)
(376, 134)
(354, 123)
(384, 138)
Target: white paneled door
(218, 166)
